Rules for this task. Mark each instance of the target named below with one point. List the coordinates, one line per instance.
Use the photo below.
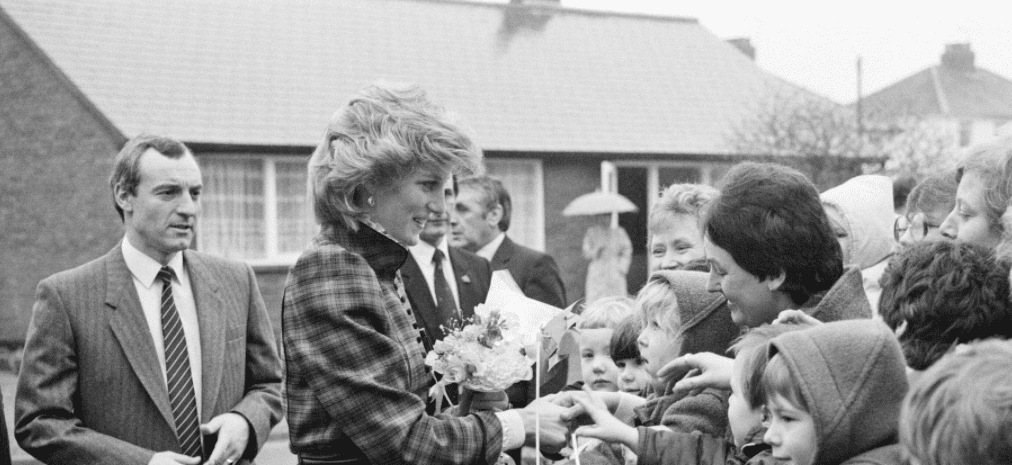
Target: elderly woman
(927, 206)
(982, 196)
(676, 240)
(356, 380)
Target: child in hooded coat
(834, 393)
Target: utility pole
(860, 123)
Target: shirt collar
(489, 250)
(144, 268)
(423, 251)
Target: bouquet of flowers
(484, 355)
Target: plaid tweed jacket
(355, 374)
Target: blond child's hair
(960, 410)
(606, 312)
(658, 301)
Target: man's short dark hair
(946, 293)
(126, 168)
(492, 193)
(769, 218)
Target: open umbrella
(599, 203)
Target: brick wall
(55, 156)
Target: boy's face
(743, 419)
(657, 346)
(791, 433)
(599, 371)
(633, 377)
(749, 298)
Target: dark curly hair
(769, 218)
(946, 293)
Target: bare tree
(827, 142)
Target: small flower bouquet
(484, 355)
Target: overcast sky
(816, 43)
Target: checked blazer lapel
(131, 330)
(212, 316)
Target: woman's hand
(691, 373)
(489, 401)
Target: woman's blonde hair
(384, 134)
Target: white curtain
(232, 223)
(296, 227)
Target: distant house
(550, 93)
(967, 103)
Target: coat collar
(384, 255)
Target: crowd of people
(780, 325)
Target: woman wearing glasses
(928, 204)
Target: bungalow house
(966, 104)
(553, 95)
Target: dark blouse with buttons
(356, 375)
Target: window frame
(272, 257)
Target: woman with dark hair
(771, 248)
(928, 204)
(356, 381)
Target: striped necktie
(177, 371)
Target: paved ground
(274, 452)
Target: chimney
(958, 57)
(744, 45)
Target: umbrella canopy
(599, 203)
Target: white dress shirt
(423, 253)
(491, 248)
(145, 273)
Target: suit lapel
(418, 290)
(130, 327)
(212, 317)
(502, 254)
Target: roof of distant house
(955, 87)
(531, 78)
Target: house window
(255, 208)
(523, 179)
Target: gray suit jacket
(91, 389)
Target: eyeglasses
(918, 227)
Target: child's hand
(691, 373)
(606, 427)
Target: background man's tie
(444, 296)
(177, 371)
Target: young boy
(745, 416)
(960, 411)
(678, 316)
(833, 392)
(594, 334)
(632, 376)
(938, 294)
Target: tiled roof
(942, 90)
(523, 78)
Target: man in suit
(152, 353)
(483, 215)
(443, 290)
